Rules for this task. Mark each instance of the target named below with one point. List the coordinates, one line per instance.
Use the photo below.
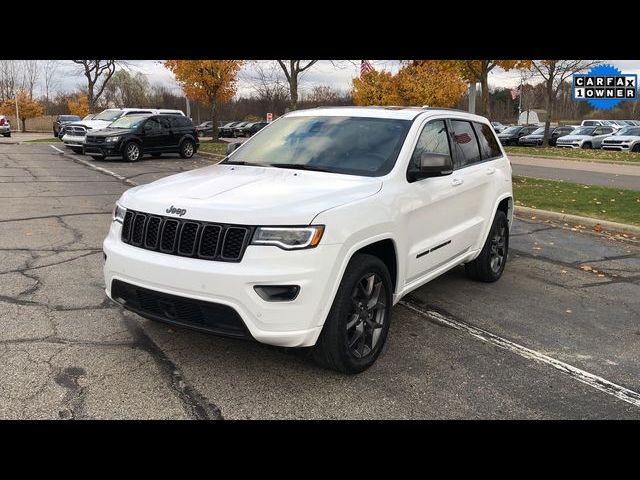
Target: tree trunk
(24, 124)
(293, 90)
(484, 84)
(548, 103)
(214, 119)
(90, 98)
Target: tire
(131, 152)
(55, 134)
(587, 146)
(187, 149)
(489, 265)
(352, 320)
(6, 135)
(636, 148)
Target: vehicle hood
(532, 137)
(623, 138)
(250, 195)
(92, 124)
(108, 132)
(572, 138)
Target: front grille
(91, 139)
(76, 131)
(613, 142)
(207, 316)
(189, 238)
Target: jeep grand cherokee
(309, 232)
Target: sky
(335, 74)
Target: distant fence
(36, 124)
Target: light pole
(17, 113)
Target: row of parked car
(129, 133)
(622, 135)
(231, 129)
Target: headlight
(113, 139)
(289, 238)
(119, 213)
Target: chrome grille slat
(188, 238)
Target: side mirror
(432, 164)
(232, 146)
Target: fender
(487, 228)
(343, 267)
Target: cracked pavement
(67, 352)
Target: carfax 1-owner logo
(604, 87)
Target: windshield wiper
(232, 162)
(300, 166)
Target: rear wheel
(489, 265)
(187, 149)
(357, 325)
(131, 152)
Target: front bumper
(295, 323)
(5, 129)
(73, 140)
(619, 147)
(103, 149)
(568, 145)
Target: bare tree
(49, 69)
(9, 79)
(30, 76)
(553, 74)
(292, 72)
(98, 73)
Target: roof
(402, 113)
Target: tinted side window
(433, 139)
(152, 125)
(488, 144)
(182, 121)
(164, 122)
(465, 144)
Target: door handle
(490, 171)
(457, 182)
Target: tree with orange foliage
(27, 107)
(475, 71)
(425, 82)
(208, 81)
(79, 105)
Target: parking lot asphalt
(557, 337)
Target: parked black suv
(61, 120)
(133, 136)
(511, 135)
(227, 130)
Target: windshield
(129, 121)
(69, 118)
(538, 131)
(511, 130)
(109, 115)
(349, 145)
(583, 131)
(629, 131)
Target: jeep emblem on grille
(177, 211)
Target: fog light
(277, 293)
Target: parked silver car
(626, 140)
(5, 126)
(585, 137)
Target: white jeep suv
(309, 232)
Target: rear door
(153, 135)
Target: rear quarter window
(489, 147)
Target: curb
(209, 154)
(576, 219)
(575, 159)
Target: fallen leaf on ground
(597, 227)
(586, 268)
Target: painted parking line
(587, 378)
(96, 167)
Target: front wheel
(489, 265)
(587, 146)
(636, 148)
(187, 149)
(131, 152)
(357, 325)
